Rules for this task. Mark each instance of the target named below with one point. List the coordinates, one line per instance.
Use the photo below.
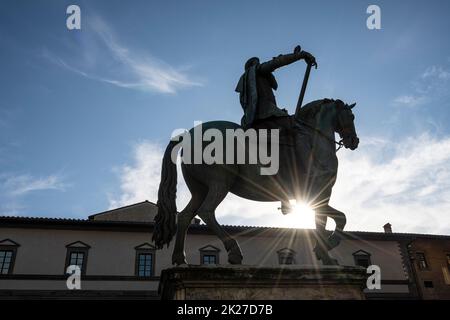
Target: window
(5, 261)
(209, 259)
(362, 261)
(287, 260)
(286, 256)
(209, 255)
(421, 261)
(362, 258)
(446, 274)
(76, 259)
(145, 260)
(77, 254)
(428, 284)
(8, 250)
(446, 270)
(145, 264)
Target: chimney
(387, 228)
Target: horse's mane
(310, 110)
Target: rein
(340, 143)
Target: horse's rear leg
(184, 219)
(207, 213)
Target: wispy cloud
(406, 183)
(23, 184)
(431, 85)
(19, 185)
(13, 188)
(409, 100)
(436, 72)
(105, 59)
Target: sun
(301, 217)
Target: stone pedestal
(254, 283)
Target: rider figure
(256, 87)
(256, 96)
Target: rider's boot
(286, 207)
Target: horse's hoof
(316, 252)
(179, 261)
(330, 262)
(235, 258)
(323, 256)
(333, 241)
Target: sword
(302, 91)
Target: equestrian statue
(307, 163)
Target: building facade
(116, 257)
(430, 259)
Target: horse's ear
(352, 105)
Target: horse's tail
(165, 219)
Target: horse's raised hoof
(330, 262)
(234, 252)
(333, 241)
(235, 258)
(323, 256)
(178, 261)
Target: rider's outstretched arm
(285, 59)
(280, 61)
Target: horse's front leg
(340, 220)
(322, 243)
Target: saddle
(287, 126)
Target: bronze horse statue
(307, 171)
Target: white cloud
(406, 183)
(105, 59)
(431, 85)
(408, 186)
(139, 181)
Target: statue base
(239, 282)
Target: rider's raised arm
(280, 61)
(285, 59)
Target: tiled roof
(68, 223)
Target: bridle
(344, 132)
(340, 143)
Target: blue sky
(85, 115)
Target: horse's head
(345, 125)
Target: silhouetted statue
(307, 163)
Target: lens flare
(301, 217)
